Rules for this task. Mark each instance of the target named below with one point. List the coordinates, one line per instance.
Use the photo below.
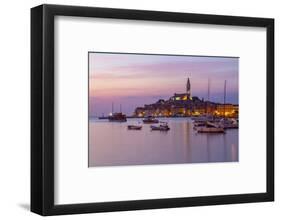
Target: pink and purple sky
(133, 80)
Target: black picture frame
(42, 109)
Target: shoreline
(136, 117)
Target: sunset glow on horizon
(132, 80)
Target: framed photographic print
(136, 109)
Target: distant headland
(184, 105)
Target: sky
(132, 80)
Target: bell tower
(188, 88)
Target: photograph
(136, 109)
(147, 109)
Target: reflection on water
(111, 144)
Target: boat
(162, 127)
(202, 121)
(134, 127)
(229, 123)
(117, 117)
(150, 120)
(210, 128)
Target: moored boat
(162, 127)
(229, 123)
(210, 128)
(117, 117)
(150, 120)
(134, 127)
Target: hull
(133, 127)
(154, 121)
(156, 128)
(210, 130)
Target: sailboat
(117, 116)
(213, 126)
(229, 123)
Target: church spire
(188, 88)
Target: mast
(208, 89)
(120, 107)
(208, 96)
(188, 88)
(224, 97)
(112, 107)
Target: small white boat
(162, 127)
(134, 127)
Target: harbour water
(112, 144)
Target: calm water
(111, 144)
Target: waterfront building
(228, 109)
